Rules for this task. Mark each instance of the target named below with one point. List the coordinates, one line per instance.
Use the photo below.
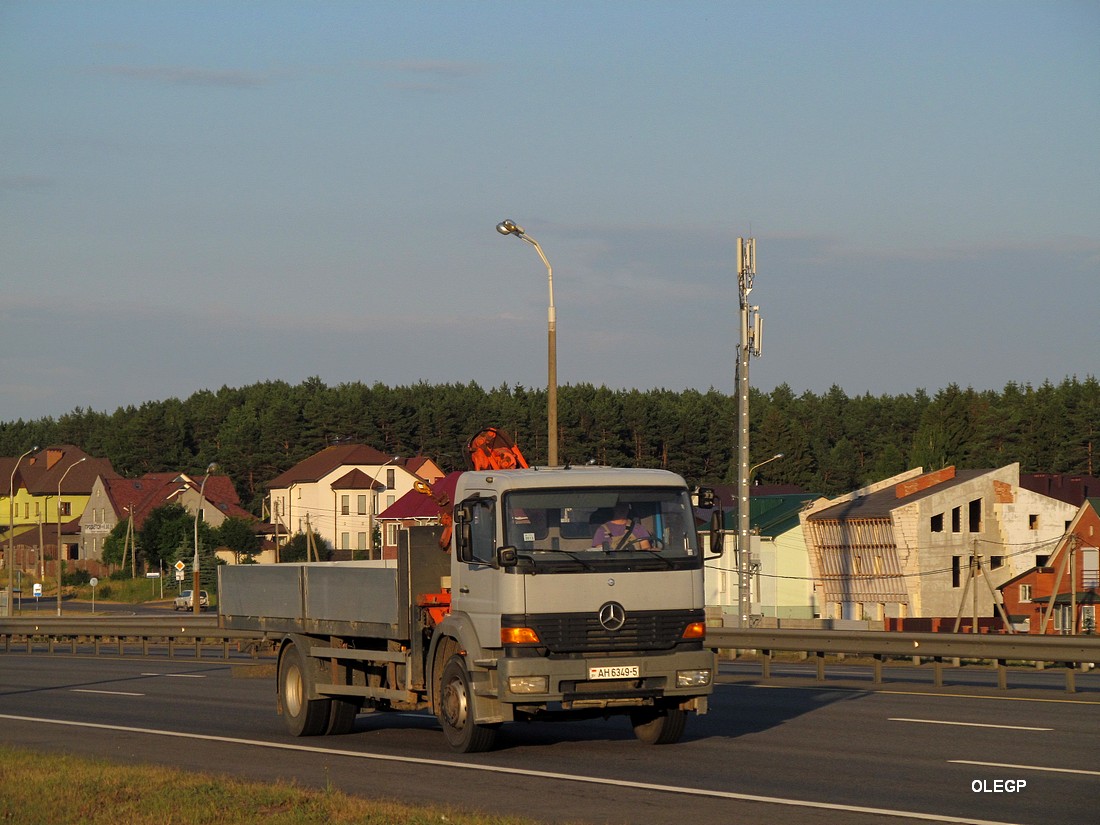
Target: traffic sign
(180, 566)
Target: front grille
(583, 633)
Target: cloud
(188, 76)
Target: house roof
(143, 495)
(357, 480)
(65, 464)
(882, 503)
(419, 505)
(320, 464)
(1070, 488)
(773, 515)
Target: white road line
(107, 692)
(177, 675)
(964, 724)
(562, 777)
(1022, 767)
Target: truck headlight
(692, 678)
(529, 684)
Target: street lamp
(196, 603)
(508, 227)
(11, 531)
(78, 461)
(755, 467)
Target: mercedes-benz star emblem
(612, 616)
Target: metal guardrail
(124, 634)
(1068, 651)
(127, 635)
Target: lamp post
(374, 504)
(756, 467)
(196, 604)
(59, 545)
(508, 227)
(9, 561)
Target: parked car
(183, 601)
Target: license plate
(616, 672)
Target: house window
(391, 534)
(360, 541)
(937, 523)
(66, 508)
(1041, 561)
(996, 562)
(956, 520)
(1090, 568)
(345, 505)
(389, 501)
(362, 501)
(390, 477)
(975, 516)
(956, 571)
(1025, 592)
(1033, 521)
(345, 541)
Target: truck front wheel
(303, 716)
(659, 726)
(456, 711)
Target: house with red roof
(41, 490)
(338, 492)
(1060, 595)
(416, 508)
(114, 499)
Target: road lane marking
(561, 777)
(939, 695)
(177, 675)
(107, 692)
(1023, 767)
(964, 724)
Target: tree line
(832, 442)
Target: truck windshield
(601, 529)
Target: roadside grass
(125, 591)
(48, 789)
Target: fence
(154, 634)
(1068, 651)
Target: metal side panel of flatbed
(349, 598)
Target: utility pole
(751, 331)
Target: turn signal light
(518, 636)
(695, 630)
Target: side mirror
(716, 534)
(705, 498)
(462, 520)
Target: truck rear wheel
(456, 711)
(341, 718)
(303, 716)
(659, 726)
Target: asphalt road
(785, 751)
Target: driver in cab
(622, 532)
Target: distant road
(787, 751)
(48, 607)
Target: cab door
(477, 591)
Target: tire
(659, 726)
(456, 711)
(341, 718)
(303, 716)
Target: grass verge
(66, 790)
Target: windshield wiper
(568, 553)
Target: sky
(205, 194)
